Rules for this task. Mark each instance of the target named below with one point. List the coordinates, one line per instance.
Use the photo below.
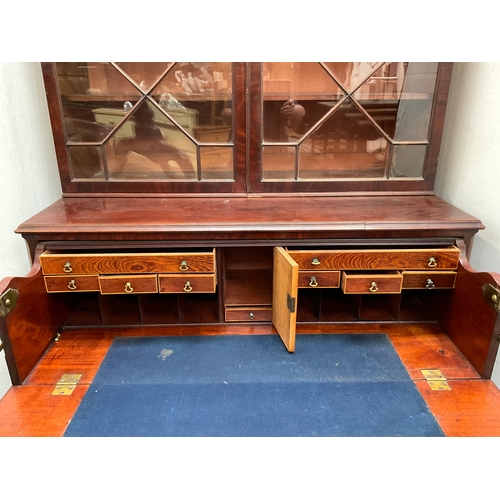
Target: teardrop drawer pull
(315, 262)
(373, 287)
(429, 284)
(72, 285)
(432, 262)
(188, 287)
(128, 288)
(67, 267)
(183, 266)
(313, 282)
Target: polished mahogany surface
(342, 216)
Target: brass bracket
(492, 295)
(8, 301)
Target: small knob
(252, 315)
(188, 287)
(183, 266)
(313, 282)
(67, 267)
(72, 285)
(373, 287)
(128, 287)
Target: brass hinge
(8, 301)
(492, 295)
(436, 380)
(67, 384)
(290, 303)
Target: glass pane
(216, 163)
(415, 106)
(351, 74)
(88, 92)
(198, 96)
(86, 162)
(144, 74)
(346, 145)
(278, 163)
(149, 145)
(296, 96)
(408, 160)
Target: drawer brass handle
(432, 262)
(315, 262)
(188, 287)
(373, 287)
(72, 285)
(429, 284)
(313, 281)
(128, 287)
(67, 267)
(252, 315)
(183, 266)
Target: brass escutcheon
(128, 287)
(188, 287)
(67, 267)
(432, 262)
(373, 287)
(183, 266)
(72, 285)
(313, 281)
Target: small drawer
(128, 284)
(372, 283)
(124, 263)
(394, 259)
(320, 279)
(421, 280)
(187, 283)
(84, 283)
(264, 313)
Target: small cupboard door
(285, 291)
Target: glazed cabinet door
(148, 127)
(285, 291)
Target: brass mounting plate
(492, 295)
(67, 384)
(8, 301)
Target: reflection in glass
(86, 162)
(291, 96)
(216, 163)
(278, 163)
(149, 145)
(347, 118)
(198, 96)
(408, 160)
(144, 74)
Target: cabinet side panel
(29, 328)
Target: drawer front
(417, 280)
(133, 263)
(72, 283)
(436, 258)
(128, 284)
(321, 279)
(371, 283)
(187, 283)
(249, 314)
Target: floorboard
(470, 408)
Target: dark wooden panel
(467, 317)
(31, 326)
